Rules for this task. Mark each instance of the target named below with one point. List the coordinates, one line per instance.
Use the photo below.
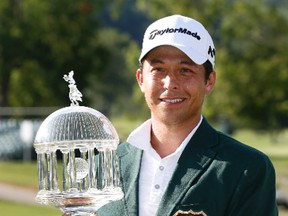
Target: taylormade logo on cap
(154, 33)
(182, 32)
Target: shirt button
(161, 168)
(157, 186)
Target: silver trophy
(76, 158)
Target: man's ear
(210, 83)
(139, 77)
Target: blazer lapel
(130, 160)
(195, 158)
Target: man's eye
(186, 71)
(158, 69)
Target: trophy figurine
(77, 164)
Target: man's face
(173, 85)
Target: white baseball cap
(184, 33)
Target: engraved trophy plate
(76, 158)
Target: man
(176, 163)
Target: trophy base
(79, 203)
(79, 214)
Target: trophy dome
(79, 126)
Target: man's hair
(208, 69)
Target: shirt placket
(158, 180)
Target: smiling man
(175, 163)
(174, 87)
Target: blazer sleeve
(255, 191)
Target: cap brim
(195, 56)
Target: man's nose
(170, 81)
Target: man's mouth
(176, 100)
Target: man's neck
(165, 139)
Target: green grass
(16, 209)
(274, 147)
(124, 126)
(19, 173)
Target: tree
(253, 64)
(40, 41)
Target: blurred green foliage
(251, 57)
(42, 40)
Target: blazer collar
(197, 155)
(130, 161)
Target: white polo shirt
(155, 172)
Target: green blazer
(215, 174)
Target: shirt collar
(140, 137)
